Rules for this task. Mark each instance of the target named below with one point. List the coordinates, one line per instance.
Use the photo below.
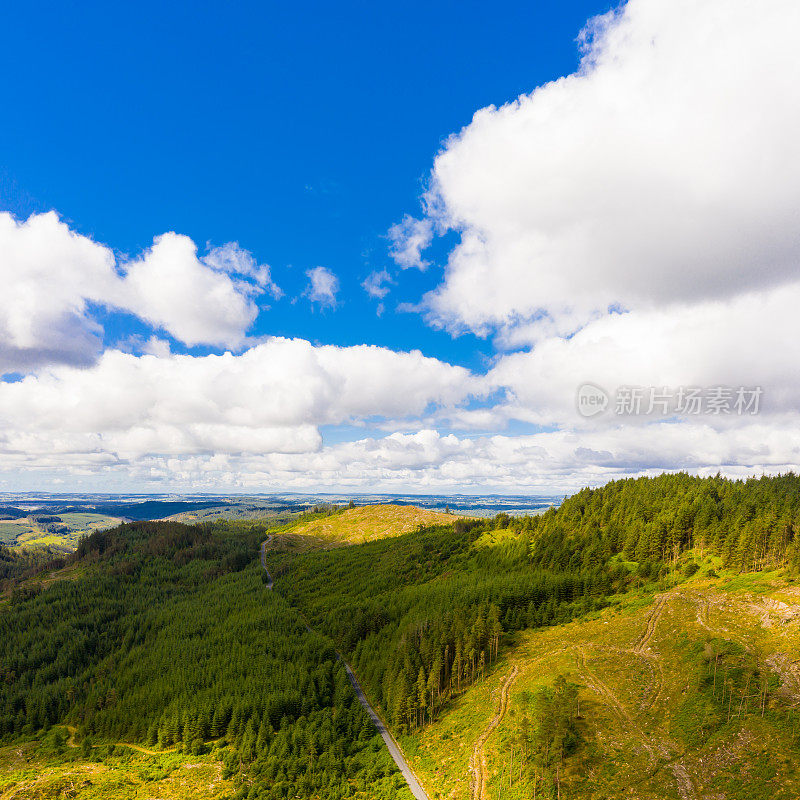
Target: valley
(577, 654)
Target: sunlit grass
(672, 712)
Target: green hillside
(419, 615)
(60, 531)
(171, 639)
(637, 642)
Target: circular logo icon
(591, 400)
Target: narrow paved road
(394, 749)
(387, 737)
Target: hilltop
(361, 524)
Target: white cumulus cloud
(50, 276)
(231, 258)
(53, 278)
(172, 289)
(323, 286)
(745, 341)
(665, 170)
(375, 284)
(409, 238)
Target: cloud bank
(270, 399)
(635, 223)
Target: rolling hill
(59, 531)
(359, 525)
(640, 641)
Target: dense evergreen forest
(24, 563)
(166, 635)
(750, 524)
(421, 616)
(170, 637)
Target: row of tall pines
(421, 616)
(750, 524)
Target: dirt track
(653, 618)
(659, 748)
(477, 762)
(138, 748)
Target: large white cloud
(172, 289)
(52, 278)
(745, 341)
(548, 462)
(667, 169)
(271, 398)
(48, 276)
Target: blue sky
(303, 132)
(546, 202)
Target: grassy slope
(642, 715)
(28, 772)
(368, 523)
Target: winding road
(394, 748)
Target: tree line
(421, 616)
(169, 638)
